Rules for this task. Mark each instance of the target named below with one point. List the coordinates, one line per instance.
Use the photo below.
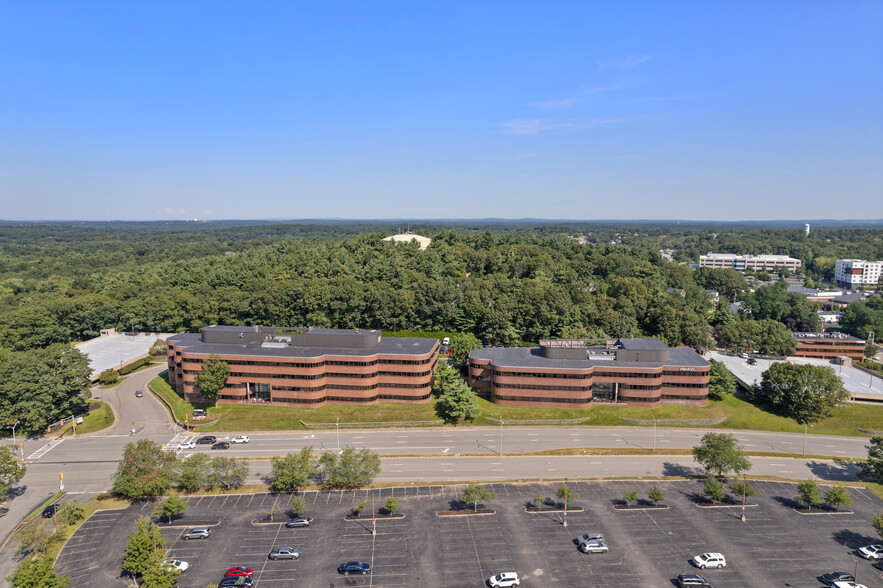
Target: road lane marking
(45, 449)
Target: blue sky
(582, 110)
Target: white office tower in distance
(850, 273)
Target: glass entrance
(604, 391)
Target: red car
(239, 571)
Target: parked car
(196, 533)
(177, 564)
(221, 445)
(871, 551)
(235, 581)
(593, 547)
(692, 580)
(301, 522)
(353, 567)
(50, 511)
(239, 571)
(207, 440)
(446, 341)
(139, 393)
(284, 553)
(709, 560)
(240, 439)
(832, 577)
(752, 361)
(186, 445)
(585, 538)
(847, 585)
(504, 579)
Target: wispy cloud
(173, 211)
(205, 212)
(556, 104)
(531, 126)
(627, 63)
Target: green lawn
(95, 420)
(740, 414)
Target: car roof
(713, 554)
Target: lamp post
(13, 434)
(805, 431)
(337, 426)
(565, 502)
(743, 497)
(501, 435)
(654, 432)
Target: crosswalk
(45, 449)
(172, 445)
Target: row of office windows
(543, 387)
(318, 363)
(662, 397)
(336, 398)
(320, 376)
(540, 399)
(596, 373)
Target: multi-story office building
(829, 345)
(285, 366)
(571, 374)
(852, 273)
(752, 262)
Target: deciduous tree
(142, 546)
(872, 469)
(391, 505)
(172, 507)
(351, 469)
(461, 345)
(713, 489)
(722, 382)
(195, 472)
(37, 573)
(629, 496)
(11, 470)
(228, 472)
(145, 470)
(475, 493)
(808, 493)
(656, 495)
(720, 454)
(806, 393)
(212, 378)
(71, 513)
(838, 496)
(293, 471)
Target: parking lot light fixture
(501, 435)
(14, 442)
(654, 432)
(565, 503)
(337, 426)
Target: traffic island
(180, 523)
(721, 505)
(367, 517)
(819, 510)
(465, 513)
(548, 509)
(640, 507)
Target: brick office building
(829, 345)
(299, 367)
(571, 374)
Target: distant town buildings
(752, 262)
(305, 367)
(829, 345)
(852, 273)
(407, 237)
(572, 374)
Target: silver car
(284, 553)
(196, 533)
(585, 538)
(593, 547)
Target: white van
(446, 341)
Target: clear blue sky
(246, 110)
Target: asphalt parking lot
(775, 547)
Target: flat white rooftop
(113, 351)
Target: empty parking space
(774, 547)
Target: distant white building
(753, 262)
(407, 237)
(850, 273)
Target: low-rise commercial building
(290, 366)
(752, 262)
(852, 273)
(829, 345)
(572, 374)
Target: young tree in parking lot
(742, 487)
(565, 494)
(655, 495)
(351, 469)
(228, 472)
(144, 471)
(539, 499)
(461, 345)
(142, 546)
(391, 505)
(872, 469)
(195, 472)
(808, 493)
(719, 454)
(838, 496)
(38, 573)
(11, 470)
(360, 507)
(293, 471)
(297, 506)
(877, 521)
(713, 489)
(629, 496)
(212, 378)
(71, 513)
(172, 507)
(475, 493)
(158, 574)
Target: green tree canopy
(172, 507)
(808, 493)
(764, 336)
(655, 495)
(713, 489)
(293, 471)
(476, 493)
(194, 472)
(456, 403)
(228, 472)
(212, 378)
(806, 393)
(38, 573)
(838, 496)
(141, 547)
(351, 469)
(720, 454)
(742, 487)
(461, 345)
(721, 381)
(11, 470)
(872, 469)
(144, 471)
(444, 377)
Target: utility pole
(565, 502)
(743, 498)
(654, 432)
(337, 425)
(373, 515)
(501, 436)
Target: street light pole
(565, 502)
(337, 426)
(743, 498)
(654, 432)
(501, 435)
(14, 442)
(805, 430)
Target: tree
(158, 573)
(870, 349)
(11, 470)
(806, 393)
(391, 505)
(360, 507)
(212, 378)
(565, 494)
(444, 377)
(195, 472)
(142, 546)
(655, 495)
(719, 455)
(713, 489)
(629, 496)
(351, 469)
(721, 381)
(144, 471)
(539, 499)
(71, 513)
(461, 345)
(293, 471)
(872, 470)
(228, 472)
(475, 493)
(298, 506)
(741, 487)
(109, 376)
(808, 493)
(838, 496)
(456, 403)
(37, 573)
(766, 336)
(172, 507)
(877, 521)
(34, 538)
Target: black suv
(50, 511)
(207, 440)
(692, 580)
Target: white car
(593, 547)
(871, 551)
(709, 560)
(177, 564)
(240, 439)
(847, 585)
(587, 537)
(504, 579)
(186, 445)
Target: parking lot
(775, 547)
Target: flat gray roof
(388, 345)
(645, 343)
(113, 351)
(530, 357)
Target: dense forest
(505, 283)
